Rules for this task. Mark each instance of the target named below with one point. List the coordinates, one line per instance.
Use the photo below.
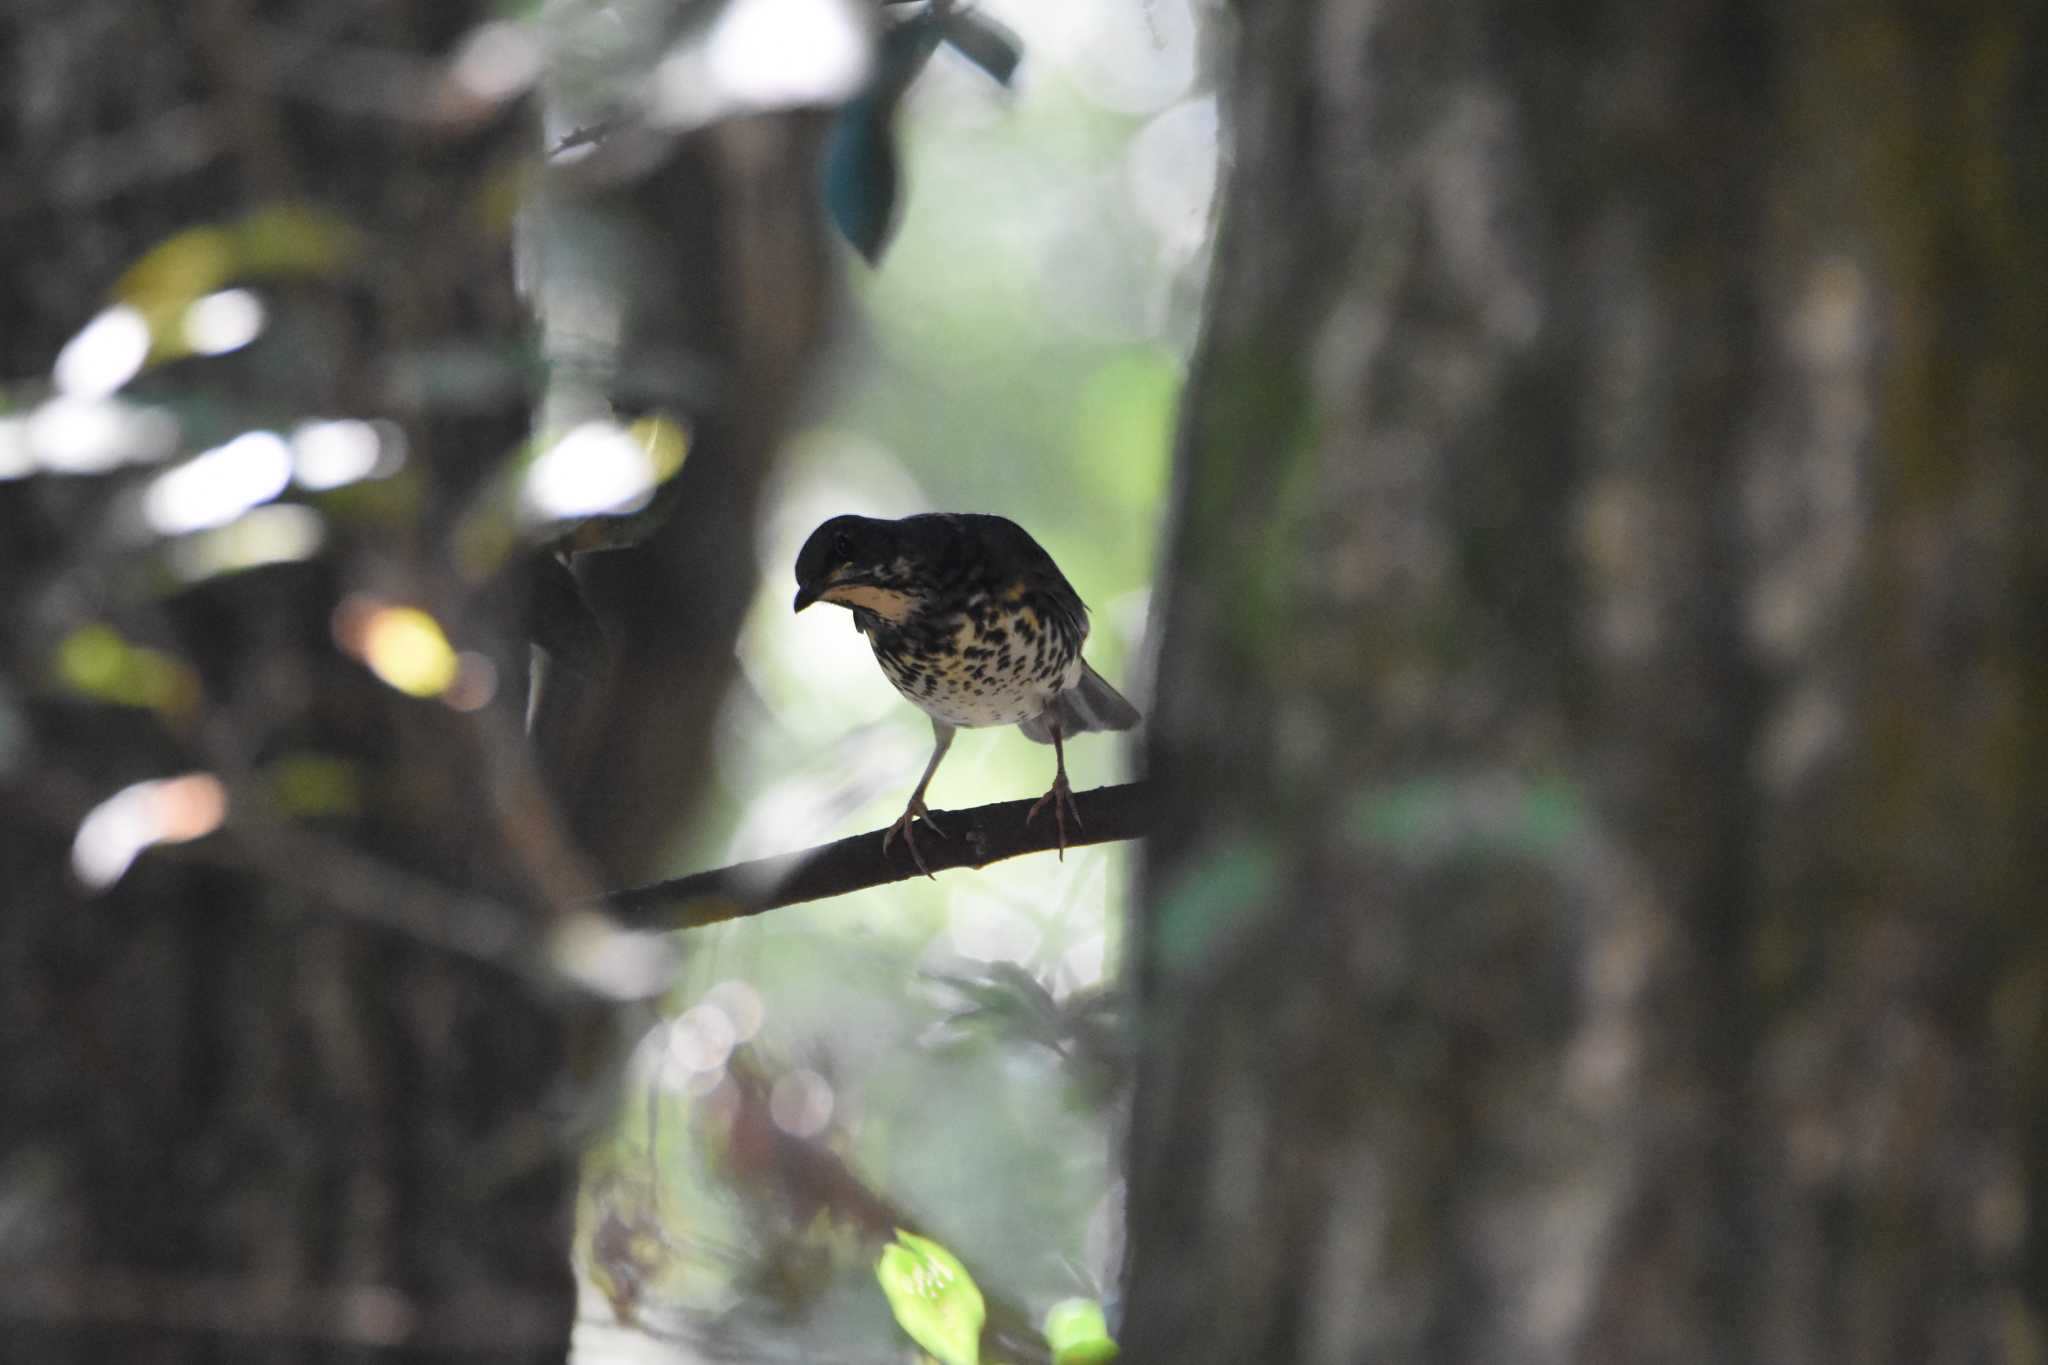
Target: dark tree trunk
(308, 1089)
(718, 265)
(1603, 721)
(286, 1095)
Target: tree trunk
(287, 1094)
(308, 1088)
(714, 255)
(1603, 719)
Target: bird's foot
(903, 822)
(1062, 798)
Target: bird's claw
(903, 822)
(1062, 797)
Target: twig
(586, 134)
(975, 838)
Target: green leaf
(1078, 1334)
(97, 662)
(1008, 994)
(861, 167)
(313, 784)
(283, 239)
(861, 177)
(933, 1297)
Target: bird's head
(861, 562)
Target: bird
(972, 622)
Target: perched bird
(974, 623)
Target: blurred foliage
(95, 661)
(310, 785)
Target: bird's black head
(861, 562)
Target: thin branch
(587, 134)
(975, 838)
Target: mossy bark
(1596, 908)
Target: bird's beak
(805, 595)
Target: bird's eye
(842, 546)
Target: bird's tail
(1091, 704)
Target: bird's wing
(1024, 562)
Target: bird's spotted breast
(995, 661)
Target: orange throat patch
(891, 604)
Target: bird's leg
(942, 740)
(1061, 795)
